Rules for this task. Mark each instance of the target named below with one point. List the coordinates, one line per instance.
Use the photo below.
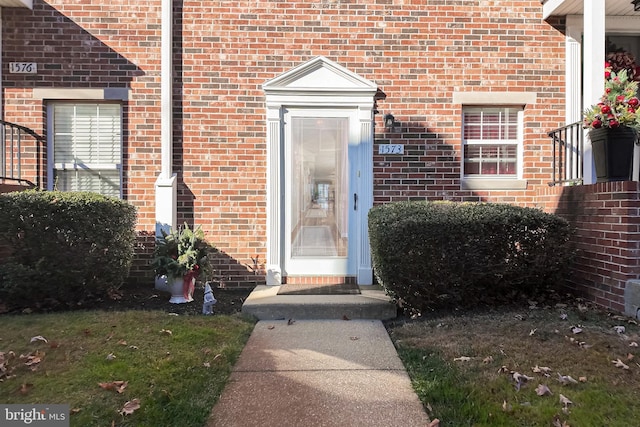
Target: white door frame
(319, 83)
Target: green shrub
(435, 254)
(67, 248)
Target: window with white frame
(85, 147)
(492, 140)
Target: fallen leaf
(290, 322)
(54, 344)
(38, 338)
(117, 386)
(505, 406)
(564, 316)
(344, 317)
(541, 370)
(576, 329)
(557, 422)
(619, 364)
(543, 390)
(566, 379)
(461, 359)
(122, 342)
(630, 356)
(520, 379)
(503, 370)
(133, 347)
(130, 407)
(74, 411)
(166, 332)
(354, 338)
(25, 388)
(434, 423)
(270, 327)
(532, 332)
(487, 360)
(633, 344)
(206, 364)
(111, 356)
(619, 329)
(565, 401)
(582, 379)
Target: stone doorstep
(264, 303)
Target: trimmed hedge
(434, 254)
(66, 247)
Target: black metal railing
(16, 148)
(567, 154)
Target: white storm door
(319, 199)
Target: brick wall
(418, 52)
(607, 223)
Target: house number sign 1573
(23, 68)
(390, 149)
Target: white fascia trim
(550, 6)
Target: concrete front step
(264, 303)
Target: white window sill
(493, 184)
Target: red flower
(620, 98)
(607, 74)
(596, 124)
(634, 102)
(605, 109)
(614, 123)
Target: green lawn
(176, 366)
(482, 391)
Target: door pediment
(319, 76)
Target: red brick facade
(418, 52)
(606, 218)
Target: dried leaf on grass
(619, 329)
(545, 370)
(111, 356)
(565, 403)
(487, 360)
(38, 338)
(25, 388)
(543, 390)
(130, 407)
(566, 379)
(117, 386)
(461, 359)
(434, 423)
(166, 332)
(620, 364)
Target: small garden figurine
(209, 300)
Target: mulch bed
(146, 297)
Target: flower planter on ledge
(612, 153)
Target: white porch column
(275, 196)
(166, 184)
(365, 191)
(594, 52)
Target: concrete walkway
(312, 373)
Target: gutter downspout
(166, 183)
